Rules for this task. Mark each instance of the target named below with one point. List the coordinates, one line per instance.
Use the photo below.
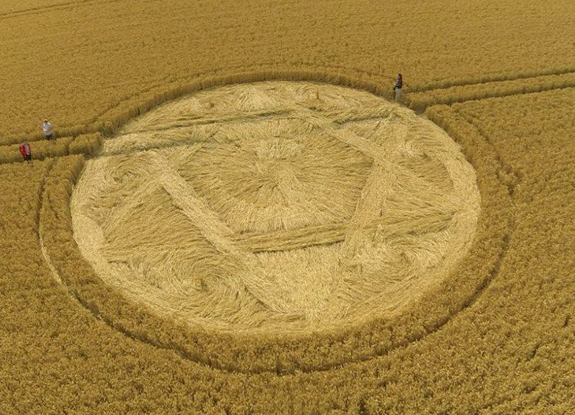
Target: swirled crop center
(276, 206)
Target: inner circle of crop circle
(276, 207)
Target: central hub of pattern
(276, 206)
(278, 177)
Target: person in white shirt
(47, 128)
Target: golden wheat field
(235, 217)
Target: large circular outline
(299, 112)
(304, 353)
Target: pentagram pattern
(276, 206)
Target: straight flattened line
(230, 118)
(353, 116)
(142, 193)
(336, 232)
(220, 236)
(286, 240)
(371, 149)
(377, 188)
(121, 253)
(359, 119)
(379, 183)
(45, 9)
(160, 146)
(138, 199)
(185, 198)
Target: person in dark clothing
(397, 87)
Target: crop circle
(276, 207)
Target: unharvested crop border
(306, 353)
(418, 97)
(419, 101)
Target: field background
(498, 75)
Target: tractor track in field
(60, 6)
